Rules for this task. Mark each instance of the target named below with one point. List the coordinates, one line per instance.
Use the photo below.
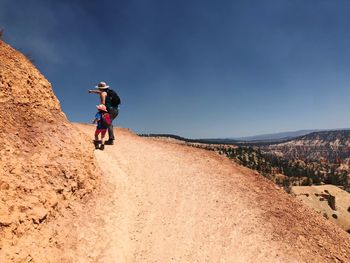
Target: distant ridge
(264, 139)
(176, 137)
(277, 136)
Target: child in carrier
(103, 121)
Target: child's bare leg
(103, 138)
(96, 141)
(102, 146)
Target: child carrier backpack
(113, 98)
(106, 120)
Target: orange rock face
(45, 162)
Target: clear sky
(195, 68)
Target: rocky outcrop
(328, 200)
(45, 163)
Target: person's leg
(113, 113)
(96, 139)
(103, 134)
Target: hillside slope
(332, 146)
(165, 202)
(157, 202)
(327, 200)
(45, 162)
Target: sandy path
(163, 202)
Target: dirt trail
(164, 202)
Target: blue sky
(195, 68)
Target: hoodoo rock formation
(45, 162)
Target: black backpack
(113, 97)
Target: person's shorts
(102, 131)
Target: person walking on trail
(111, 100)
(103, 122)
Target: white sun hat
(101, 107)
(102, 85)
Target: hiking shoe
(96, 143)
(109, 142)
(102, 147)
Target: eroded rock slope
(45, 163)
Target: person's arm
(97, 118)
(103, 96)
(95, 91)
